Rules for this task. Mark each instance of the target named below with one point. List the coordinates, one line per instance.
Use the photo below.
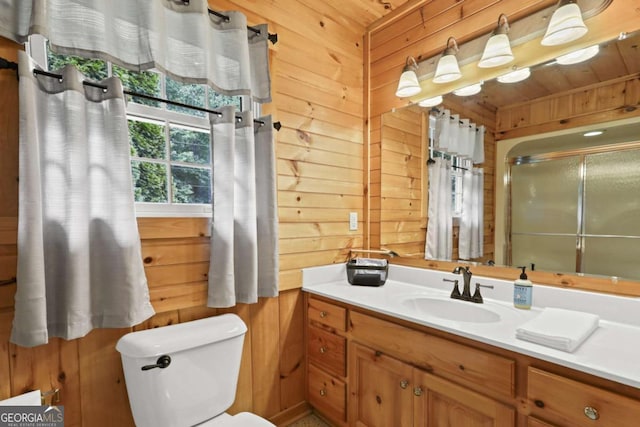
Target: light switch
(353, 221)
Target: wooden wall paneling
(292, 349)
(244, 394)
(290, 280)
(169, 228)
(265, 348)
(598, 103)
(6, 320)
(9, 132)
(49, 367)
(104, 400)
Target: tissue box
(367, 271)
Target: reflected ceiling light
(497, 51)
(515, 76)
(578, 55)
(431, 102)
(447, 69)
(468, 90)
(408, 84)
(566, 24)
(593, 133)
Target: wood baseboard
(291, 415)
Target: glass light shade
(408, 84)
(496, 52)
(468, 90)
(431, 102)
(515, 76)
(578, 55)
(447, 69)
(566, 25)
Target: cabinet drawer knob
(591, 413)
(323, 349)
(417, 391)
(539, 403)
(404, 384)
(323, 314)
(323, 392)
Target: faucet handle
(455, 293)
(477, 298)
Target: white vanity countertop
(611, 352)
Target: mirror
(509, 112)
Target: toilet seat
(243, 419)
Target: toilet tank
(200, 381)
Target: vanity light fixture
(431, 102)
(497, 51)
(566, 24)
(515, 76)
(469, 90)
(408, 84)
(447, 69)
(577, 56)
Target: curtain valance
(181, 39)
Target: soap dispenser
(522, 291)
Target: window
(170, 145)
(458, 166)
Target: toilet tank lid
(182, 336)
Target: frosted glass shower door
(544, 213)
(612, 214)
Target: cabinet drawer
(568, 402)
(327, 350)
(444, 358)
(327, 394)
(327, 314)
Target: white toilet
(186, 374)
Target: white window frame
(37, 49)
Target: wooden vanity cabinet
(387, 392)
(327, 359)
(368, 369)
(565, 402)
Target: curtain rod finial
(273, 38)
(277, 125)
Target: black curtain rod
(437, 110)
(276, 125)
(273, 38)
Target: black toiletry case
(367, 271)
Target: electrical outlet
(353, 221)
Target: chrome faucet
(466, 276)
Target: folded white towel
(558, 328)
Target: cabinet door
(442, 404)
(380, 389)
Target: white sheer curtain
(243, 263)
(79, 259)
(178, 38)
(439, 227)
(470, 240)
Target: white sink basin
(450, 309)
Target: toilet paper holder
(53, 396)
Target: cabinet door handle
(404, 384)
(323, 349)
(417, 391)
(323, 392)
(323, 314)
(591, 413)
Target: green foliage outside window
(190, 178)
(93, 69)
